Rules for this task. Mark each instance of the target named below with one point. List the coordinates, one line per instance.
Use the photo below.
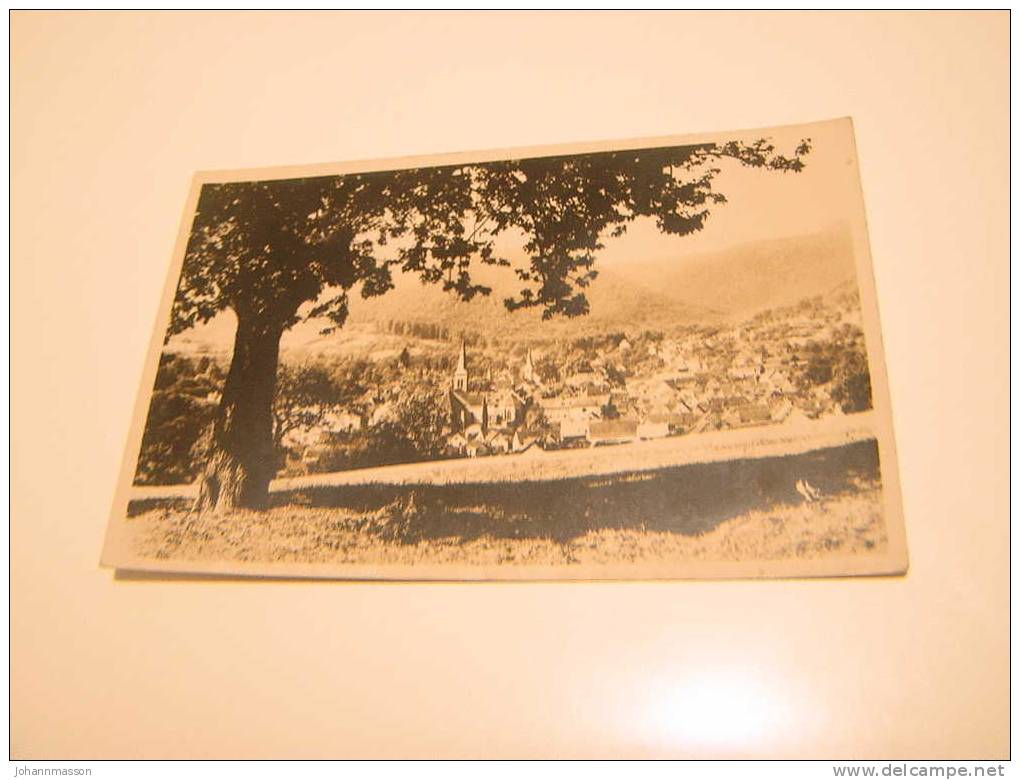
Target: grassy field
(746, 509)
(537, 465)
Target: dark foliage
(265, 247)
(182, 407)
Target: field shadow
(690, 499)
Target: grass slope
(735, 510)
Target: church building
(498, 409)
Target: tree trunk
(242, 456)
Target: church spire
(460, 374)
(529, 368)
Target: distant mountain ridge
(654, 293)
(764, 275)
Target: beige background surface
(110, 116)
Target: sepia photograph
(645, 359)
(516, 385)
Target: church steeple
(528, 373)
(460, 374)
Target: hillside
(655, 293)
(640, 294)
(744, 280)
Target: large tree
(277, 251)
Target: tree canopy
(274, 251)
(264, 248)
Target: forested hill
(640, 294)
(652, 293)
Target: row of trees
(419, 330)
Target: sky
(762, 204)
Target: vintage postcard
(656, 358)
